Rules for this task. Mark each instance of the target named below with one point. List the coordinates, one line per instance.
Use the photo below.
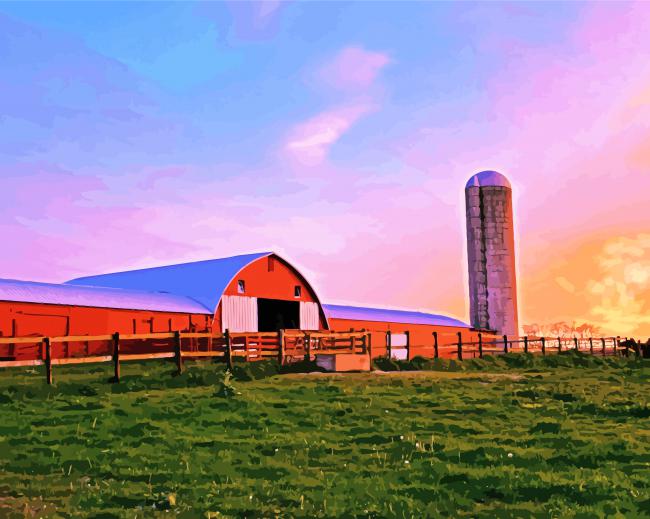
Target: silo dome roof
(488, 178)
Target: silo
(491, 253)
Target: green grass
(509, 437)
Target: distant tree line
(562, 329)
(582, 331)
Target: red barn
(247, 293)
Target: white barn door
(309, 319)
(239, 314)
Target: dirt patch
(24, 507)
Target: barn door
(309, 319)
(239, 314)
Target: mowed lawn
(508, 442)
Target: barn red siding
(33, 319)
(275, 281)
(421, 336)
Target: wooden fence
(448, 346)
(286, 346)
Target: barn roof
(49, 293)
(203, 281)
(358, 313)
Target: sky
(339, 135)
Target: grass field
(509, 437)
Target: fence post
(389, 345)
(307, 340)
(116, 356)
(408, 344)
(602, 342)
(525, 343)
(177, 352)
(591, 345)
(575, 342)
(480, 345)
(559, 345)
(369, 335)
(505, 344)
(228, 349)
(12, 347)
(543, 345)
(281, 348)
(627, 346)
(435, 345)
(617, 343)
(460, 346)
(48, 359)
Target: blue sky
(339, 133)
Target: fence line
(542, 345)
(286, 346)
(457, 345)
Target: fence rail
(286, 346)
(541, 345)
(474, 344)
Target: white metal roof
(75, 295)
(202, 281)
(360, 313)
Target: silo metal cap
(488, 178)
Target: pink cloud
(36, 187)
(153, 177)
(353, 67)
(310, 141)
(267, 9)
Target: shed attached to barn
(401, 333)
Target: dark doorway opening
(275, 314)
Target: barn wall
(271, 278)
(31, 319)
(421, 335)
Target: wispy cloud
(353, 68)
(565, 284)
(267, 8)
(152, 178)
(251, 21)
(310, 141)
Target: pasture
(565, 436)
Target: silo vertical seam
(483, 260)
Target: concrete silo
(491, 253)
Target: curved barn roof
(54, 294)
(359, 313)
(202, 281)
